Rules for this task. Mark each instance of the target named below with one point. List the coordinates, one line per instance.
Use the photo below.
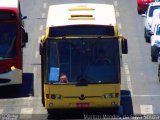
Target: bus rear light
(53, 96)
(113, 104)
(13, 68)
(47, 96)
(51, 104)
(56, 96)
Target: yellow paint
(93, 95)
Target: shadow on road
(126, 102)
(16, 91)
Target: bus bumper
(11, 77)
(73, 97)
(113, 103)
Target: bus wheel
(43, 102)
(42, 93)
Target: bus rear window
(81, 30)
(7, 15)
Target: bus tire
(43, 101)
(42, 93)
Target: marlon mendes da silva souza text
(134, 117)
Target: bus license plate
(82, 105)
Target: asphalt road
(140, 88)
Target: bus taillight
(47, 96)
(13, 68)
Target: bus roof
(81, 14)
(9, 3)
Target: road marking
(41, 27)
(35, 70)
(119, 26)
(37, 54)
(115, 3)
(1, 111)
(128, 78)
(20, 99)
(43, 15)
(44, 5)
(39, 39)
(35, 73)
(146, 109)
(146, 95)
(26, 110)
(117, 13)
(26, 113)
(140, 96)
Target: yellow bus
(80, 57)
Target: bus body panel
(11, 69)
(90, 96)
(72, 26)
(13, 77)
(9, 3)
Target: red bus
(12, 39)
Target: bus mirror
(41, 45)
(124, 46)
(24, 17)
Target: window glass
(89, 60)
(8, 39)
(152, 8)
(158, 30)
